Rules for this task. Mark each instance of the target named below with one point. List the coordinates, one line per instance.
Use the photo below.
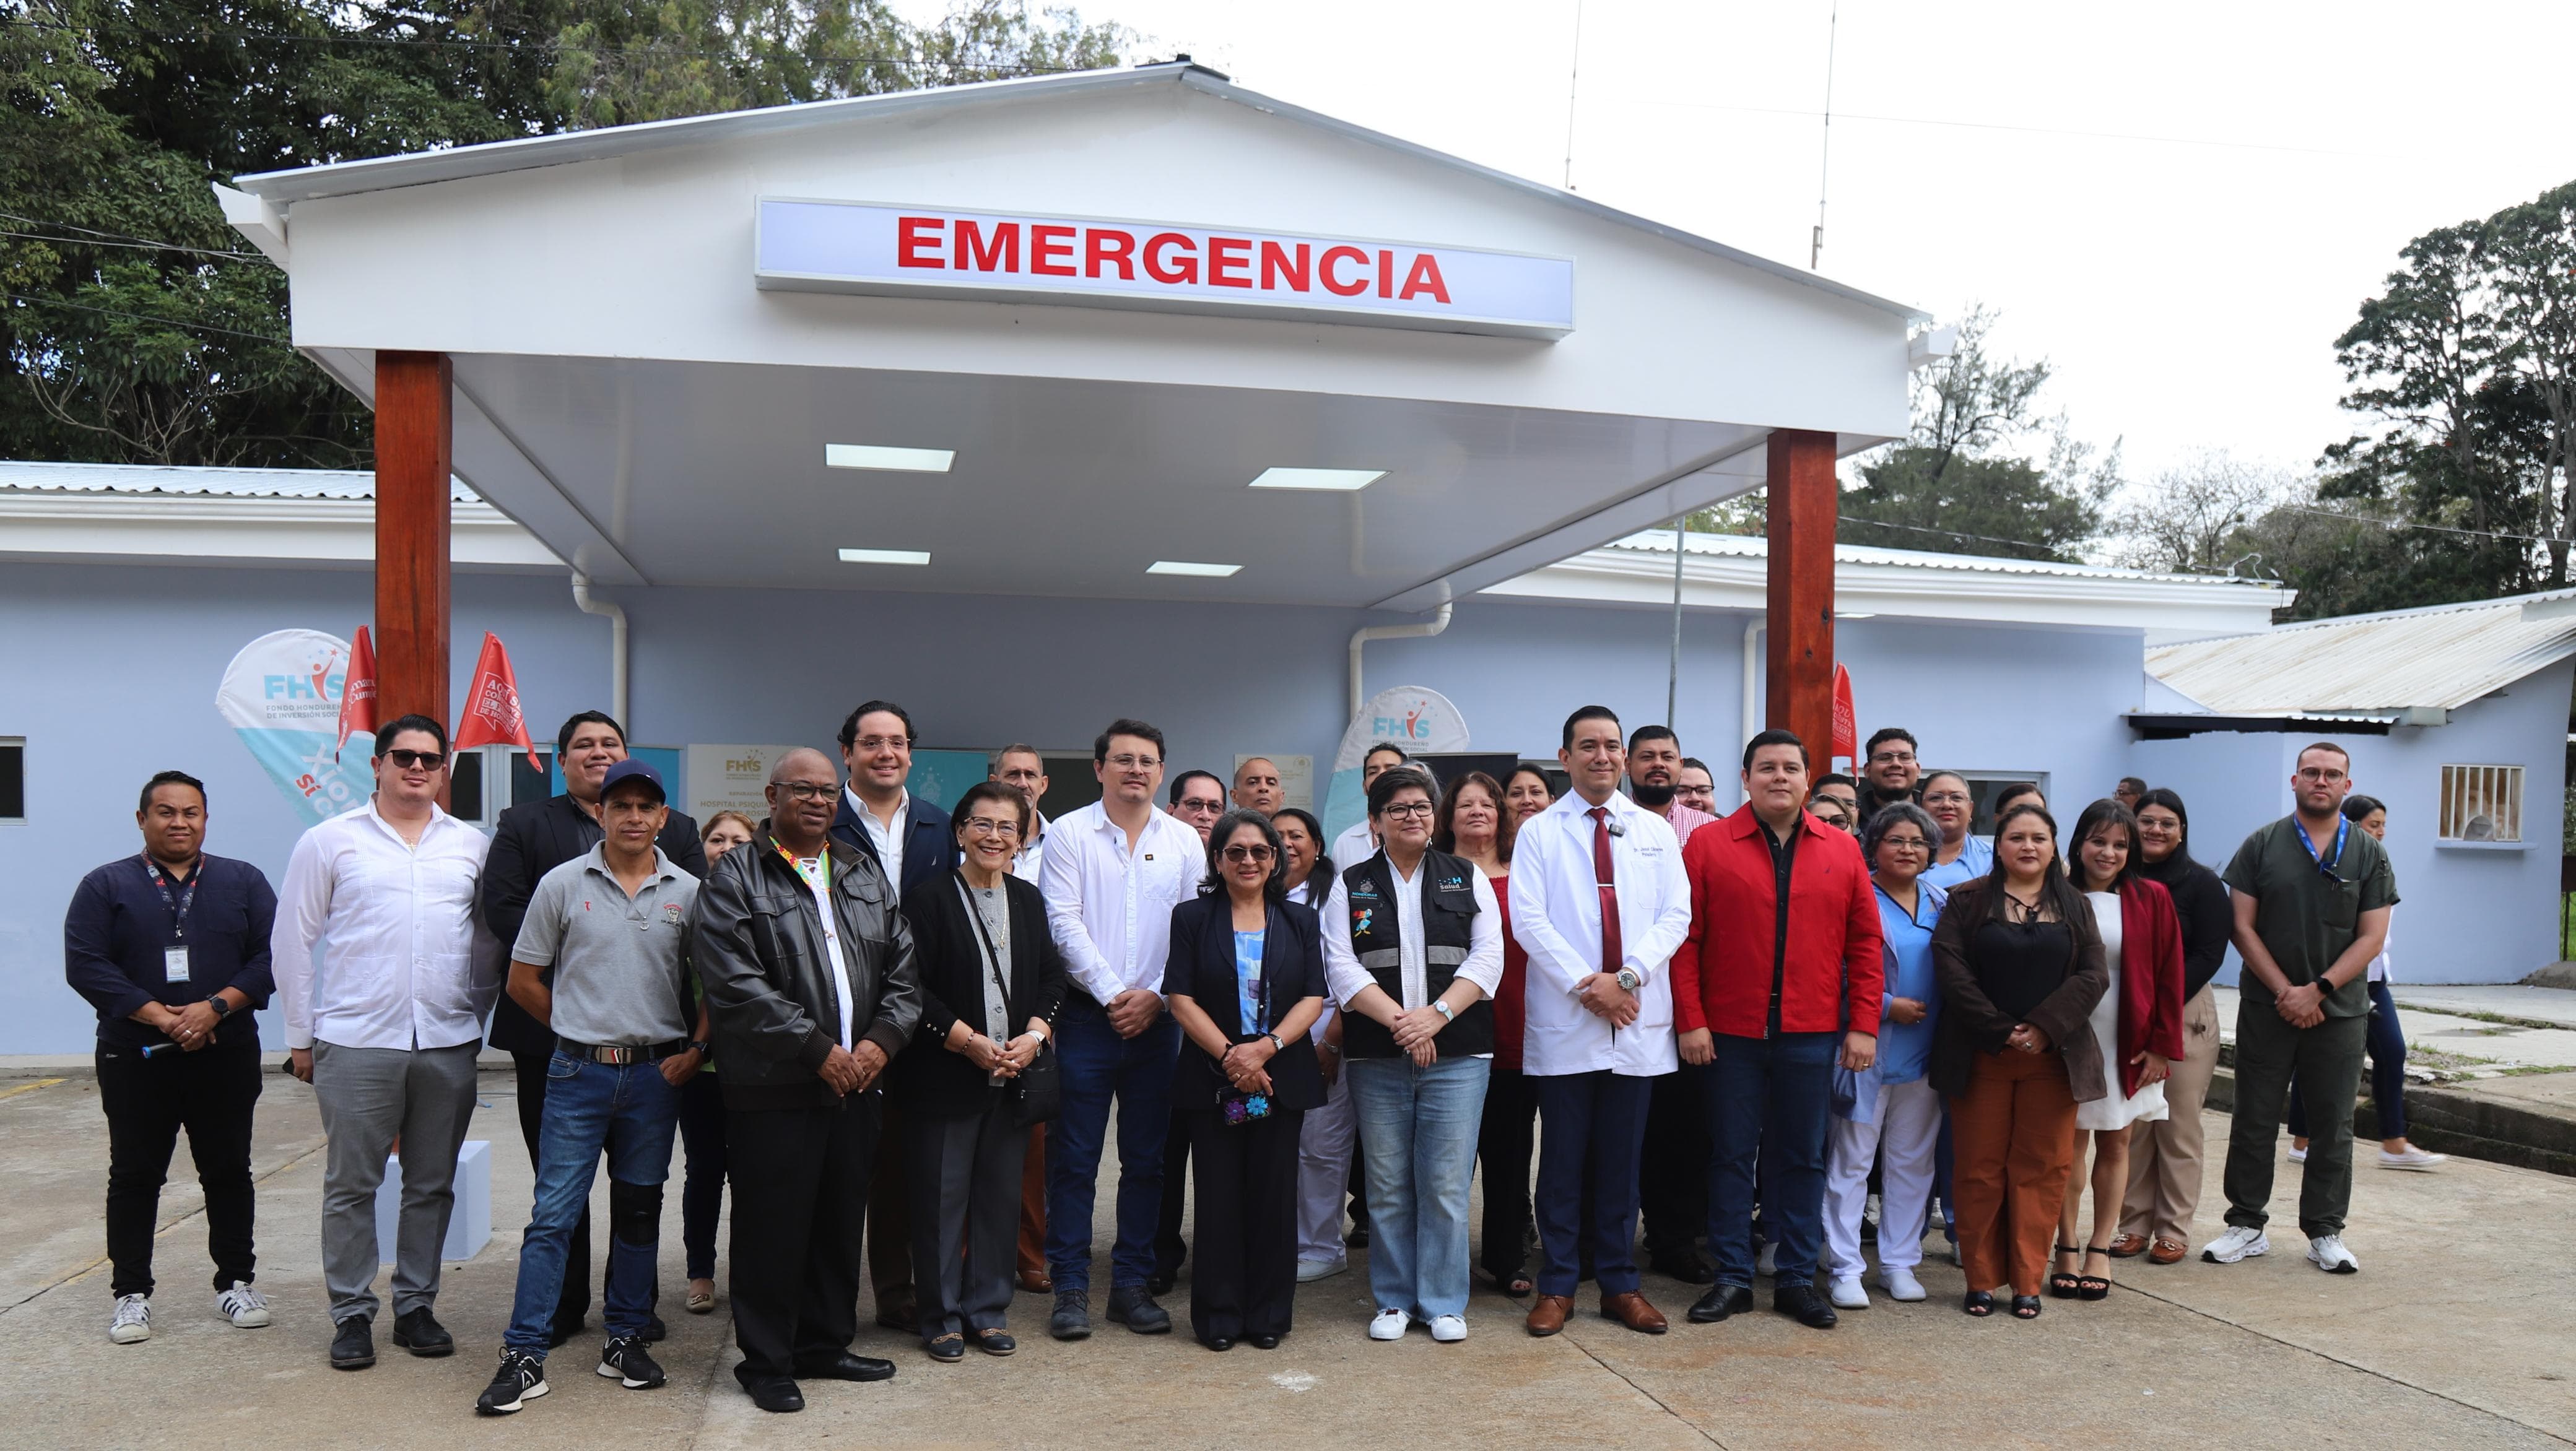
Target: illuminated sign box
(890, 251)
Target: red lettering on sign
(1332, 283)
(1425, 277)
(973, 254)
(917, 242)
(1385, 273)
(1186, 269)
(1109, 247)
(1229, 261)
(1276, 265)
(1047, 243)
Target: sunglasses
(420, 760)
(1242, 853)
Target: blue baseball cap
(632, 769)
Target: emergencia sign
(892, 251)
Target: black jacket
(758, 946)
(1971, 1023)
(929, 844)
(946, 943)
(1201, 968)
(2207, 914)
(530, 840)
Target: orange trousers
(2013, 1140)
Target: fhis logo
(301, 687)
(744, 766)
(1409, 726)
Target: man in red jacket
(1780, 976)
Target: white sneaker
(1900, 1284)
(1309, 1271)
(1769, 1263)
(133, 1320)
(2413, 1158)
(1389, 1325)
(2238, 1243)
(1448, 1329)
(2298, 1155)
(1847, 1293)
(2327, 1253)
(245, 1307)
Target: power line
(2009, 126)
(134, 246)
(202, 327)
(121, 238)
(2438, 528)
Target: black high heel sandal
(2025, 1307)
(2061, 1285)
(1980, 1303)
(2093, 1287)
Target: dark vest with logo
(1448, 887)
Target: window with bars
(2481, 803)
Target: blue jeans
(1418, 1138)
(1096, 1065)
(1771, 1097)
(632, 1112)
(1591, 1130)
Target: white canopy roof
(628, 390)
(2418, 663)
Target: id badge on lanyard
(174, 959)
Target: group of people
(899, 1031)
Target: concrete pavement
(2455, 1334)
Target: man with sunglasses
(385, 1022)
(530, 840)
(2312, 900)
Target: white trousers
(1324, 1171)
(1908, 1128)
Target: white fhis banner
(1419, 719)
(282, 695)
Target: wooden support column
(414, 458)
(1799, 604)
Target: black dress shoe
(846, 1366)
(1721, 1302)
(775, 1393)
(948, 1348)
(654, 1330)
(1219, 1342)
(901, 1315)
(1684, 1265)
(353, 1346)
(1133, 1307)
(1265, 1342)
(1802, 1304)
(1160, 1282)
(419, 1332)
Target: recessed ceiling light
(1182, 566)
(885, 556)
(900, 460)
(1341, 480)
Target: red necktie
(1611, 957)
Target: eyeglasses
(870, 745)
(1134, 763)
(1407, 810)
(1886, 758)
(2315, 773)
(1240, 852)
(1902, 843)
(988, 826)
(1202, 805)
(1946, 798)
(416, 760)
(803, 790)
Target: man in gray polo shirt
(603, 960)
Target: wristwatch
(1442, 1009)
(1275, 1045)
(1629, 981)
(222, 1009)
(701, 1047)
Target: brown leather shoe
(1632, 1311)
(2128, 1246)
(1547, 1314)
(2167, 1251)
(1035, 1282)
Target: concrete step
(2527, 1120)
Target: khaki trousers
(2013, 1133)
(2165, 1156)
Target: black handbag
(1037, 1095)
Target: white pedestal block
(469, 1228)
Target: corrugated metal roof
(172, 479)
(1750, 546)
(2441, 657)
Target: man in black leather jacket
(812, 990)
(530, 840)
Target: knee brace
(635, 1212)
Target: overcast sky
(2188, 289)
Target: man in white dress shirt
(386, 1025)
(1358, 842)
(1599, 901)
(1021, 768)
(1114, 872)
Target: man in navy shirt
(171, 947)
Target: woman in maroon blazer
(2139, 1025)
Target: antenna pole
(1574, 74)
(1824, 164)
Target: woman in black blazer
(1245, 981)
(991, 980)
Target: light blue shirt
(1247, 980)
(1905, 1049)
(1976, 858)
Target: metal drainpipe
(616, 647)
(1752, 652)
(1366, 633)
